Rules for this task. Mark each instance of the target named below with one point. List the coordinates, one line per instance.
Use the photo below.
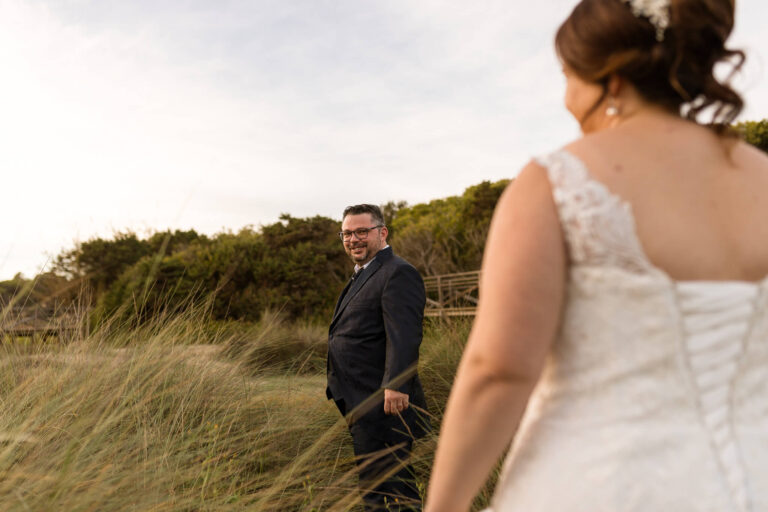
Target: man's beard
(361, 256)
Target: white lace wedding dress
(655, 395)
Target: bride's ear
(615, 86)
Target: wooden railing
(38, 332)
(19, 323)
(452, 294)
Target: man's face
(363, 251)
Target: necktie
(350, 283)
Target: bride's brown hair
(603, 37)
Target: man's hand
(394, 401)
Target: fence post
(440, 293)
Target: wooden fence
(18, 323)
(452, 294)
(447, 295)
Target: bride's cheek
(571, 101)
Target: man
(373, 350)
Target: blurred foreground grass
(186, 415)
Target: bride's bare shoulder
(530, 189)
(700, 145)
(591, 146)
(532, 175)
(749, 157)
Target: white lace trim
(599, 226)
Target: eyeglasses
(360, 233)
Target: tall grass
(183, 415)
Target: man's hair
(357, 209)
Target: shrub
(755, 133)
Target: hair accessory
(657, 12)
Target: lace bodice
(655, 395)
(599, 226)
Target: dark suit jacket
(373, 343)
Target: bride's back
(625, 306)
(699, 200)
(699, 196)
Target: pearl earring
(612, 110)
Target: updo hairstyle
(603, 37)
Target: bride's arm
(521, 294)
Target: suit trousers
(386, 478)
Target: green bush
(445, 235)
(755, 133)
(296, 266)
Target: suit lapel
(354, 287)
(343, 294)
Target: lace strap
(599, 226)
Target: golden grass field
(187, 415)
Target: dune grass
(184, 415)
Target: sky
(145, 115)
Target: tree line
(295, 265)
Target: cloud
(147, 115)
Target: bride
(622, 332)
